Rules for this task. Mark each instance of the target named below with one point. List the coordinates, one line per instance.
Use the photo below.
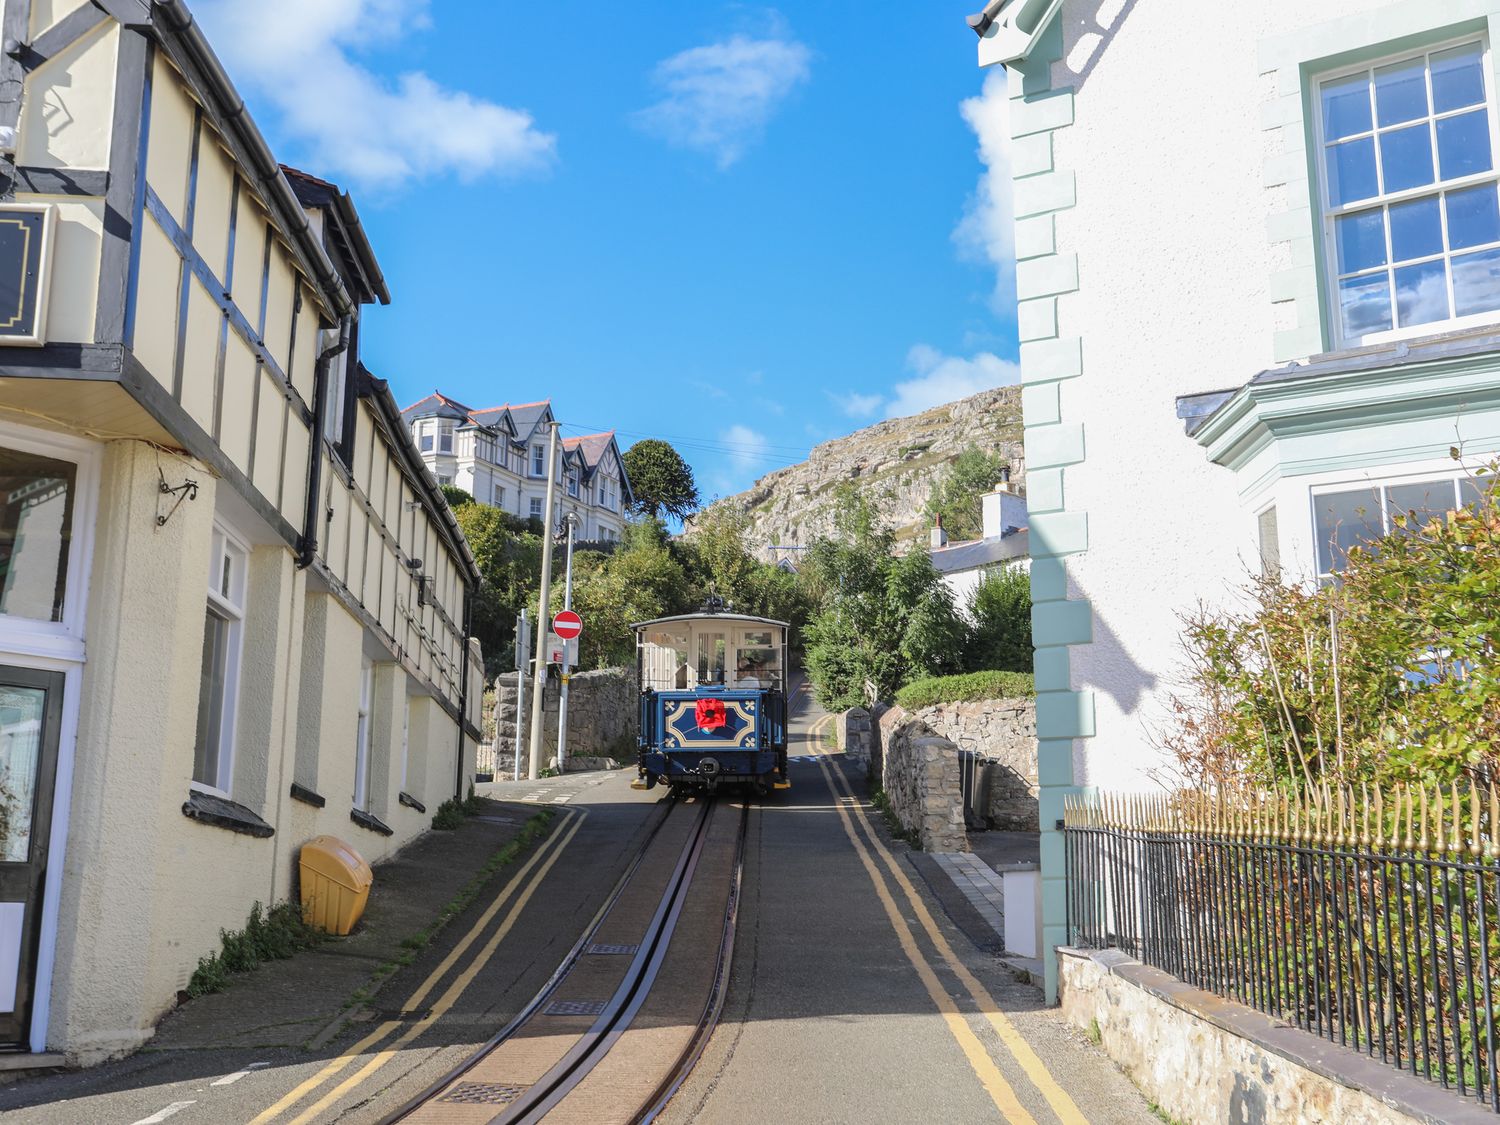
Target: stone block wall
(856, 734)
(1003, 730)
(921, 782)
(602, 717)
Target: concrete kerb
(306, 1000)
(1396, 1095)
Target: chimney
(939, 536)
(1004, 485)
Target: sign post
(567, 625)
(523, 657)
(542, 598)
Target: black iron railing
(1370, 919)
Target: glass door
(30, 711)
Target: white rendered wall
(1174, 264)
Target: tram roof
(712, 617)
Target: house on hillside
(499, 456)
(232, 599)
(1255, 315)
(1003, 542)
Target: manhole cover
(607, 948)
(483, 1093)
(575, 1007)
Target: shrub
(1001, 608)
(1388, 675)
(970, 686)
(449, 815)
(269, 935)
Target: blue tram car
(713, 701)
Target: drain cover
(606, 948)
(483, 1093)
(575, 1007)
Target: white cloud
(747, 449)
(301, 58)
(856, 405)
(986, 233)
(945, 378)
(718, 98)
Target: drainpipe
(308, 548)
(463, 701)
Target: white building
(1003, 542)
(499, 456)
(1259, 299)
(232, 600)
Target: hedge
(957, 689)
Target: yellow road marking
(555, 846)
(1063, 1105)
(999, 1090)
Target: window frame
(537, 508)
(362, 740)
(445, 437)
(1326, 214)
(539, 461)
(1379, 484)
(226, 545)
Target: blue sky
(745, 229)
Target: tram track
(619, 1025)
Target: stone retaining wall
(602, 717)
(919, 773)
(1003, 730)
(1204, 1059)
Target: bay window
(1355, 515)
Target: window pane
(1473, 217)
(211, 699)
(1457, 78)
(22, 713)
(1421, 293)
(1464, 144)
(1270, 542)
(1366, 304)
(1401, 92)
(1361, 240)
(1346, 107)
(1428, 499)
(1406, 157)
(1351, 171)
(1472, 490)
(1476, 282)
(1416, 229)
(1344, 519)
(36, 530)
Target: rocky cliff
(894, 462)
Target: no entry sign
(567, 625)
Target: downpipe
(307, 550)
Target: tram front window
(711, 651)
(664, 661)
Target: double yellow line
(521, 887)
(1001, 1092)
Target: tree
(660, 480)
(455, 496)
(509, 560)
(1001, 609)
(957, 497)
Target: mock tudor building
(498, 455)
(1259, 300)
(232, 599)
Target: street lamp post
(571, 521)
(543, 617)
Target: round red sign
(567, 625)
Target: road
(851, 995)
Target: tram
(713, 701)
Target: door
(30, 712)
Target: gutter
(177, 21)
(307, 549)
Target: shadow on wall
(1090, 27)
(1114, 672)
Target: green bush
(269, 935)
(969, 686)
(1001, 608)
(449, 815)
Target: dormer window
(445, 437)
(572, 482)
(424, 436)
(1406, 152)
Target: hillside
(895, 462)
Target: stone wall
(1003, 730)
(921, 781)
(602, 717)
(1201, 1058)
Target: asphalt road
(852, 996)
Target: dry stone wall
(602, 718)
(921, 782)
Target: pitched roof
(435, 405)
(592, 446)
